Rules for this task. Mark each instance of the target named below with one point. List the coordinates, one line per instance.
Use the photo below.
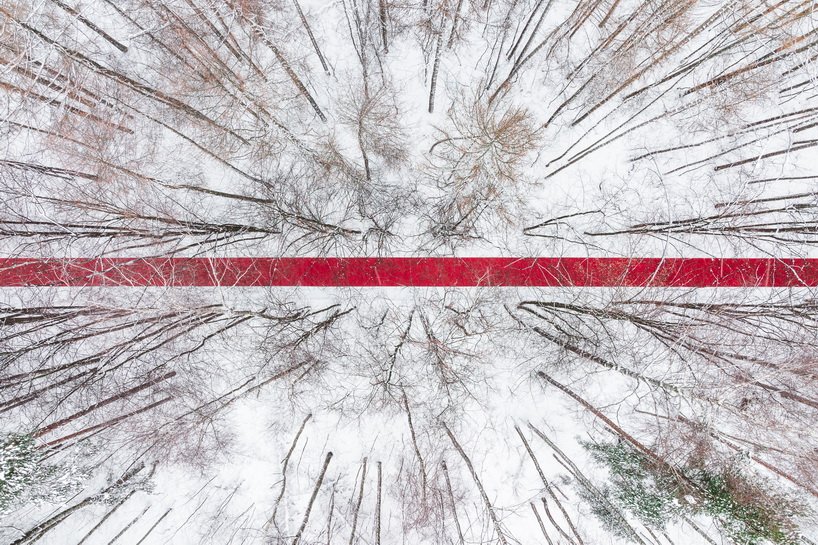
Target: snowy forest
(292, 415)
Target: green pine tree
(25, 477)
(746, 518)
(18, 468)
(650, 496)
(744, 509)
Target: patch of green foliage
(604, 510)
(747, 519)
(650, 497)
(745, 510)
(25, 477)
(18, 467)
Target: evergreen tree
(651, 496)
(746, 511)
(18, 468)
(25, 477)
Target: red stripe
(399, 271)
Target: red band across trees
(400, 271)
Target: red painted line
(400, 271)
